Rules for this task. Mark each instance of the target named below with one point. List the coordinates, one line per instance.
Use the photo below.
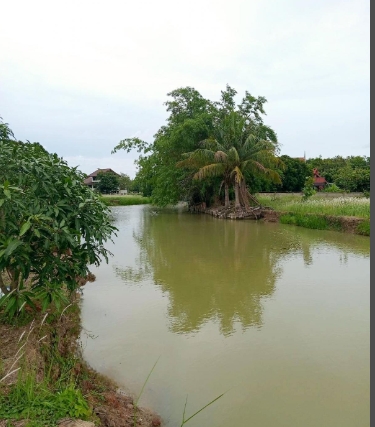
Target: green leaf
(12, 246)
(24, 228)
(7, 194)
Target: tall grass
(340, 206)
(125, 200)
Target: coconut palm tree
(240, 149)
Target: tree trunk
(226, 192)
(237, 203)
(244, 195)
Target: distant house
(92, 180)
(319, 181)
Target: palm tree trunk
(237, 202)
(244, 195)
(226, 192)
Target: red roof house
(92, 179)
(319, 181)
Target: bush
(364, 228)
(333, 188)
(52, 227)
(308, 190)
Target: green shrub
(308, 190)
(307, 221)
(364, 228)
(52, 226)
(333, 188)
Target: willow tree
(240, 149)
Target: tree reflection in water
(216, 269)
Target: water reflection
(215, 270)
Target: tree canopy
(108, 182)
(193, 119)
(351, 173)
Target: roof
(319, 180)
(88, 180)
(94, 174)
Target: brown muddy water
(276, 316)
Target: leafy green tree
(108, 182)
(351, 173)
(189, 122)
(353, 179)
(52, 227)
(192, 119)
(294, 174)
(124, 182)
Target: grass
(340, 206)
(310, 221)
(364, 228)
(128, 200)
(40, 384)
(184, 420)
(314, 221)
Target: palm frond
(197, 159)
(233, 155)
(220, 156)
(237, 174)
(214, 169)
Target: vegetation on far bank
(212, 151)
(126, 200)
(340, 206)
(207, 151)
(339, 214)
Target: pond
(275, 316)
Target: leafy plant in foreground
(52, 227)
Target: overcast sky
(79, 76)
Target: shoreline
(50, 347)
(345, 224)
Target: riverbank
(45, 381)
(323, 211)
(345, 214)
(126, 200)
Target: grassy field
(131, 199)
(322, 213)
(340, 206)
